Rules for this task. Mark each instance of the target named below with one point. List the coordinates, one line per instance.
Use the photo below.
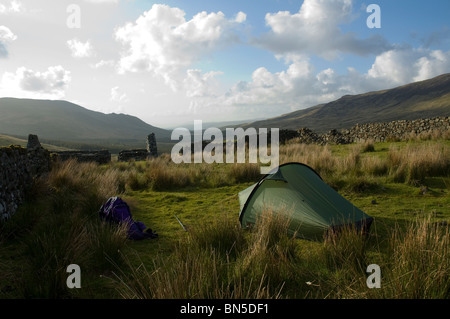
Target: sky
(172, 62)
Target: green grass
(215, 258)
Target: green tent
(312, 205)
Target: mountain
(66, 124)
(64, 121)
(424, 99)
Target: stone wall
(136, 155)
(379, 132)
(396, 130)
(18, 167)
(100, 157)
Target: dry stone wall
(379, 132)
(100, 157)
(135, 155)
(18, 167)
(396, 130)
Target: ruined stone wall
(135, 155)
(100, 157)
(18, 167)
(379, 132)
(140, 154)
(396, 130)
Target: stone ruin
(101, 157)
(135, 155)
(151, 145)
(38, 157)
(104, 156)
(140, 154)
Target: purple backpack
(117, 211)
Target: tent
(312, 206)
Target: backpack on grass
(117, 211)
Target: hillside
(424, 99)
(6, 140)
(69, 122)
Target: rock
(152, 148)
(33, 142)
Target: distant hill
(424, 99)
(6, 140)
(64, 121)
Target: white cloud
(315, 29)
(240, 17)
(26, 83)
(432, 65)
(103, 63)
(118, 96)
(119, 100)
(6, 34)
(161, 41)
(401, 66)
(80, 49)
(13, 6)
(285, 89)
(199, 85)
(300, 85)
(6, 37)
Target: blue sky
(173, 62)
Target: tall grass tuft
(244, 172)
(420, 262)
(345, 248)
(163, 176)
(368, 146)
(223, 235)
(271, 251)
(412, 164)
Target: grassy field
(405, 186)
